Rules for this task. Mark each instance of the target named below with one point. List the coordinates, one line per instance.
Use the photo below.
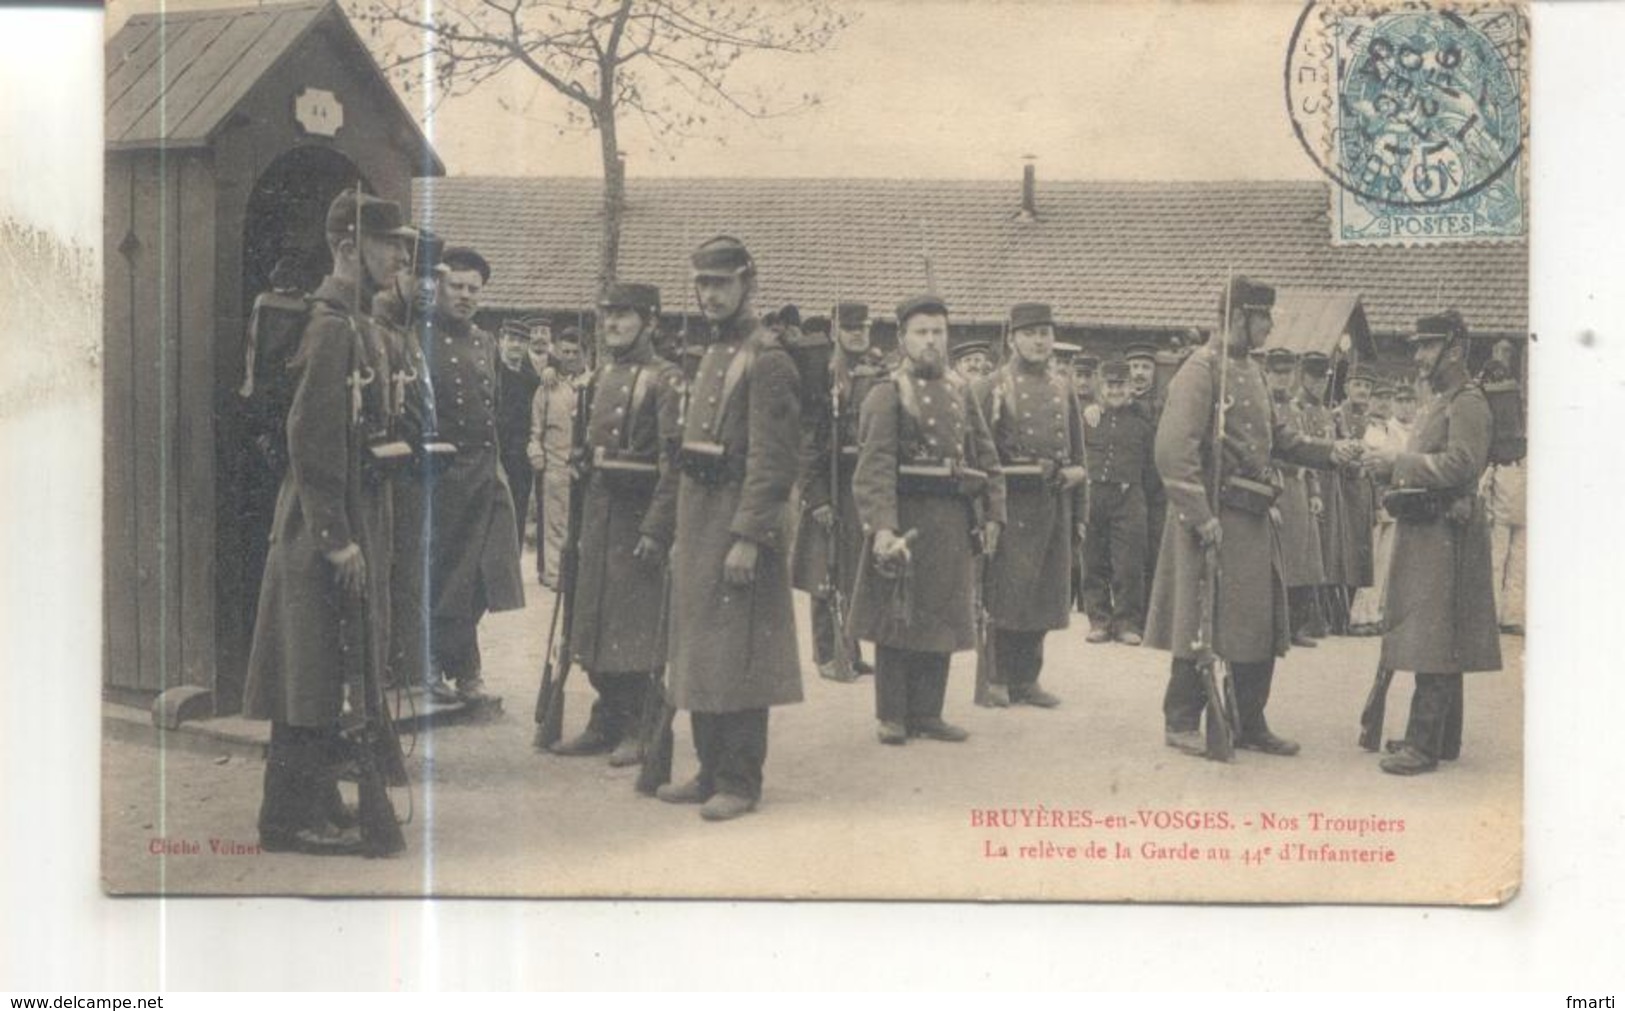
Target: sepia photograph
(812, 449)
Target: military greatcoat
(734, 647)
(1318, 423)
(1251, 623)
(635, 408)
(475, 534)
(1034, 419)
(809, 566)
(1440, 607)
(910, 420)
(1301, 560)
(295, 671)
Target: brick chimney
(1029, 188)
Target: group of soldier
(945, 504)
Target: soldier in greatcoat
(330, 537)
(628, 515)
(1119, 441)
(732, 652)
(474, 558)
(1358, 494)
(832, 513)
(1300, 503)
(1029, 408)
(1441, 598)
(1310, 614)
(1251, 626)
(929, 493)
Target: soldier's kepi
(1036, 427)
(628, 516)
(1231, 515)
(733, 643)
(927, 472)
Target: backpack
(275, 328)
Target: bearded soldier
(1441, 600)
(733, 637)
(1250, 626)
(1033, 415)
(929, 493)
(628, 514)
(828, 513)
(330, 537)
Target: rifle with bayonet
(375, 748)
(549, 714)
(834, 597)
(1221, 716)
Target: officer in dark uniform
(474, 565)
(929, 491)
(629, 513)
(1314, 613)
(829, 539)
(1142, 384)
(517, 380)
(330, 538)
(1299, 504)
(1119, 442)
(1082, 376)
(1034, 419)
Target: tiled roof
(1148, 255)
(175, 76)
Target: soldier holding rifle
(328, 567)
(1231, 514)
(1031, 411)
(627, 519)
(929, 494)
(733, 640)
(829, 541)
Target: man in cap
(1119, 442)
(1310, 612)
(1299, 504)
(1084, 368)
(1082, 376)
(474, 557)
(1250, 626)
(330, 539)
(829, 539)
(517, 381)
(1142, 366)
(925, 461)
(1366, 610)
(733, 639)
(629, 511)
(552, 437)
(1030, 409)
(397, 311)
(1441, 600)
(972, 359)
(1359, 496)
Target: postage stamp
(1419, 114)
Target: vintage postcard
(820, 449)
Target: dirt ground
(1081, 802)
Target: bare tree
(666, 61)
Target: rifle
(656, 734)
(368, 731)
(1376, 709)
(556, 669)
(987, 655)
(1217, 685)
(836, 599)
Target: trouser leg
(1184, 698)
(521, 480)
(1129, 553)
(556, 515)
(1017, 657)
(704, 728)
(824, 631)
(1430, 708)
(892, 667)
(927, 686)
(1098, 574)
(1450, 738)
(1303, 605)
(1252, 681)
(616, 710)
(1156, 513)
(737, 749)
